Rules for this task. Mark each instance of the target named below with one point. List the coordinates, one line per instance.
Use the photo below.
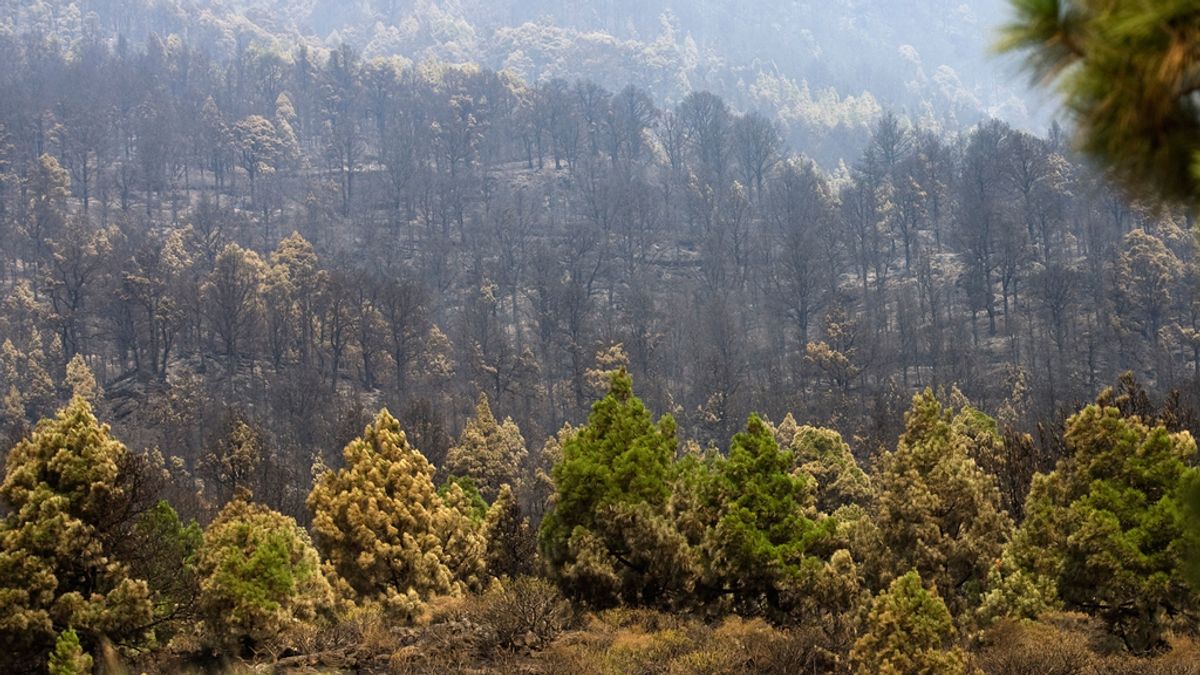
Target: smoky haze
(823, 70)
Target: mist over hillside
(823, 71)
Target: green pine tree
(758, 548)
(477, 505)
(608, 536)
(1108, 525)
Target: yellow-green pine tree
(489, 452)
(68, 657)
(62, 487)
(823, 455)
(909, 630)
(931, 469)
(81, 381)
(463, 542)
(379, 520)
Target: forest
(318, 359)
(822, 71)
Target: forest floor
(459, 638)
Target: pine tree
(12, 413)
(1189, 492)
(1014, 593)
(490, 453)
(258, 147)
(162, 550)
(49, 188)
(81, 381)
(510, 541)
(291, 289)
(1127, 73)
(759, 547)
(1146, 271)
(463, 544)
(261, 583)
(68, 657)
(31, 390)
(1107, 526)
(836, 601)
(232, 299)
(909, 630)
(538, 494)
(41, 395)
(938, 512)
(380, 521)
(827, 459)
(237, 455)
(66, 488)
(609, 537)
(475, 505)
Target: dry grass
(1070, 644)
(492, 634)
(640, 642)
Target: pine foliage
(609, 536)
(261, 583)
(909, 630)
(489, 452)
(938, 512)
(759, 546)
(1127, 72)
(65, 490)
(1108, 526)
(381, 524)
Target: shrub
(636, 653)
(752, 645)
(261, 584)
(1014, 647)
(525, 613)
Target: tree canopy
(1109, 525)
(70, 492)
(607, 536)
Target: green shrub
(261, 584)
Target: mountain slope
(823, 70)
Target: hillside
(824, 71)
